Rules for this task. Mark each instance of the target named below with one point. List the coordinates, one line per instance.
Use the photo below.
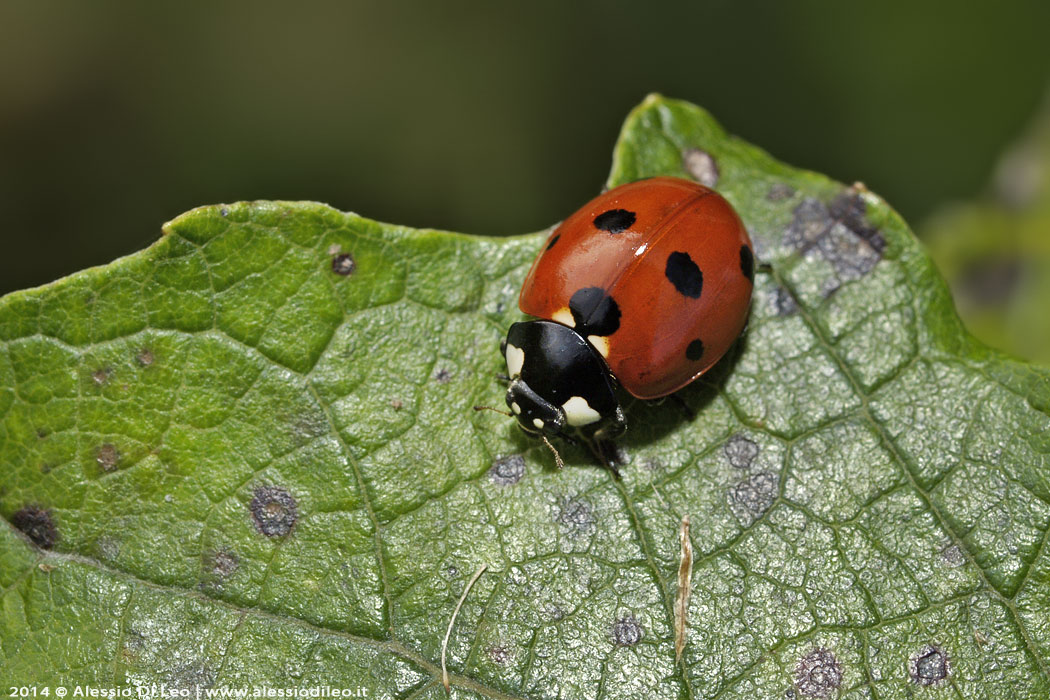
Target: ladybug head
(534, 413)
(559, 384)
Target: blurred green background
(498, 118)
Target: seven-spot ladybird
(645, 287)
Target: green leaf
(228, 465)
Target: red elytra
(678, 265)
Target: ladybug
(646, 287)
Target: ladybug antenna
(557, 457)
(494, 410)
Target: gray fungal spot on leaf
(780, 191)
(575, 514)
(343, 264)
(442, 376)
(952, 556)
(107, 457)
(818, 674)
(274, 511)
(191, 676)
(224, 211)
(37, 524)
(499, 654)
(627, 631)
(838, 233)
(144, 357)
(101, 376)
(223, 562)
(783, 302)
(740, 451)
(507, 470)
(753, 496)
(701, 166)
(929, 666)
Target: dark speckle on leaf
(701, 166)
(223, 562)
(101, 375)
(442, 376)
(107, 457)
(499, 654)
(575, 513)
(818, 674)
(838, 233)
(37, 524)
(930, 666)
(145, 357)
(783, 303)
(343, 264)
(627, 631)
(780, 191)
(223, 211)
(507, 470)
(274, 511)
(754, 495)
(740, 451)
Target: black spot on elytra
(553, 241)
(701, 165)
(615, 220)
(594, 312)
(274, 511)
(747, 262)
(145, 357)
(37, 524)
(107, 457)
(343, 264)
(695, 350)
(818, 674)
(684, 274)
(507, 470)
(753, 496)
(627, 631)
(740, 451)
(930, 666)
(839, 233)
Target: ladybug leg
(764, 267)
(679, 403)
(602, 442)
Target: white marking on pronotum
(685, 584)
(579, 412)
(564, 317)
(515, 360)
(448, 632)
(600, 343)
